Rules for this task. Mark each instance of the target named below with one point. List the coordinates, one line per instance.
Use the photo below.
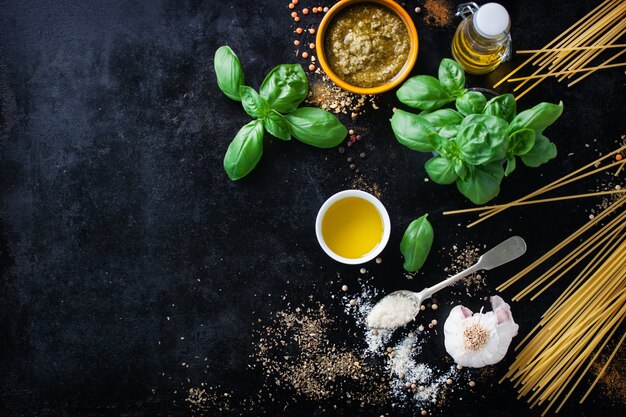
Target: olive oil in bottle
(482, 40)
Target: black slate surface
(126, 251)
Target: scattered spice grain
(438, 13)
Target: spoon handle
(510, 249)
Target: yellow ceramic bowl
(395, 81)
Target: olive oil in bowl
(352, 227)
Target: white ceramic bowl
(383, 215)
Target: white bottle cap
(492, 20)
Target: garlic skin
(477, 340)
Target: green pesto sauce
(367, 45)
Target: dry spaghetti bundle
(576, 329)
(578, 51)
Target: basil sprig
(474, 141)
(275, 110)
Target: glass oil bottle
(482, 40)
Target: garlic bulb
(477, 340)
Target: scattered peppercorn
(344, 288)
(311, 67)
(379, 260)
(294, 14)
(349, 159)
(362, 155)
(299, 30)
(312, 45)
(296, 42)
(305, 55)
(296, 19)
(305, 11)
(435, 307)
(294, 1)
(311, 31)
(472, 384)
(341, 149)
(363, 270)
(618, 157)
(291, 5)
(352, 167)
(357, 171)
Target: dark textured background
(121, 234)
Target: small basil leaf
(504, 107)
(413, 131)
(451, 76)
(537, 118)
(228, 72)
(472, 102)
(510, 164)
(245, 151)
(542, 151)
(449, 131)
(424, 92)
(285, 87)
(442, 117)
(416, 243)
(252, 102)
(440, 170)
(482, 182)
(460, 168)
(277, 126)
(482, 138)
(521, 142)
(316, 127)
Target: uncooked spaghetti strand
(603, 66)
(590, 71)
(589, 20)
(543, 200)
(587, 56)
(601, 31)
(556, 182)
(583, 250)
(600, 257)
(559, 246)
(605, 4)
(572, 48)
(485, 215)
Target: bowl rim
(399, 77)
(379, 207)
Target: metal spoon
(400, 307)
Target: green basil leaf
(228, 72)
(510, 164)
(460, 168)
(450, 131)
(277, 126)
(442, 117)
(504, 107)
(413, 131)
(472, 102)
(423, 92)
(245, 151)
(451, 76)
(285, 87)
(482, 138)
(542, 151)
(252, 102)
(482, 182)
(521, 142)
(537, 118)
(316, 127)
(416, 243)
(440, 170)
